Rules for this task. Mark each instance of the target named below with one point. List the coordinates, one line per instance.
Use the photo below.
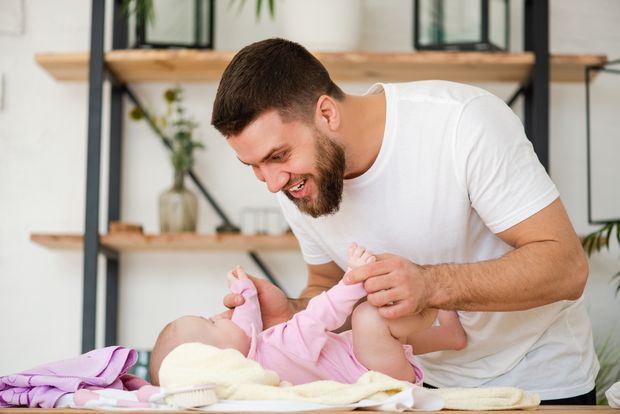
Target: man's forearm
(533, 275)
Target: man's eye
(279, 156)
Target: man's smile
(297, 189)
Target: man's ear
(327, 114)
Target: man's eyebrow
(266, 157)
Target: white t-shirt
(454, 169)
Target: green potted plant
(178, 207)
(608, 354)
(609, 359)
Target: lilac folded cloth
(44, 385)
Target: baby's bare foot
(359, 256)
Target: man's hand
(396, 286)
(275, 306)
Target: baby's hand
(359, 256)
(236, 274)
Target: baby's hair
(177, 332)
(160, 350)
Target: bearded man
(440, 177)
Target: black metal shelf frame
(590, 71)
(536, 105)
(92, 248)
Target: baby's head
(216, 331)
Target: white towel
(613, 395)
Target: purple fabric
(44, 385)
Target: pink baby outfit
(303, 349)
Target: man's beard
(329, 179)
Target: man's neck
(363, 125)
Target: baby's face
(223, 333)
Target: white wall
(42, 177)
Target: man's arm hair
(547, 265)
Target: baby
(304, 349)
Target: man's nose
(275, 178)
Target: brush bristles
(193, 398)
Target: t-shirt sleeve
(496, 163)
(311, 251)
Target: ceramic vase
(322, 25)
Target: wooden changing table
(550, 409)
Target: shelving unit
(208, 65)
(531, 70)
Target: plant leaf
(126, 8)
(241, 4)
(149, 12)
(259, 3)
(610, 227)
(589, 243)
(617, 276)
(585, 243)
(599, 238)
(597, 241)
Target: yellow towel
(491, 398)
(239, 378)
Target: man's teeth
(298, 186)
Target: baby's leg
(375, 346)
(400, 328)
(448, 335)
(404, 327)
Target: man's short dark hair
(273, 74)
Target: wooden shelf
(207, 65)
(127, 242)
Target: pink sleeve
(304, 334)
(247, 314)
(331, 308)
